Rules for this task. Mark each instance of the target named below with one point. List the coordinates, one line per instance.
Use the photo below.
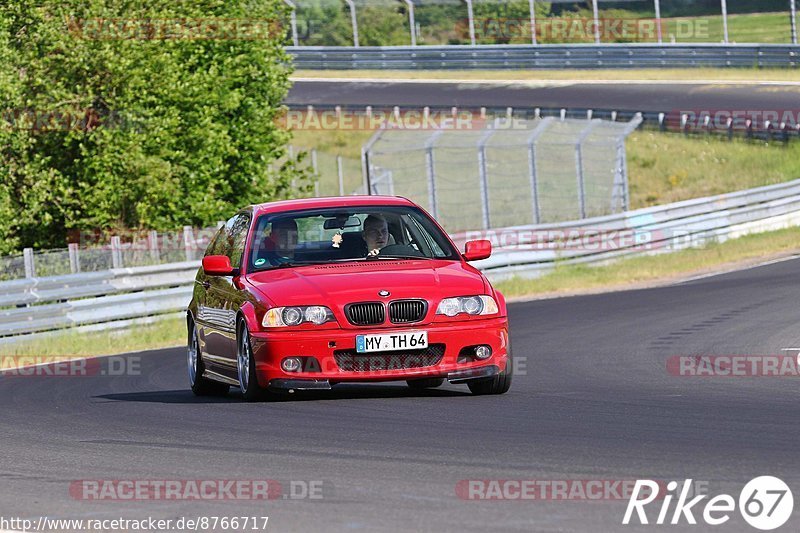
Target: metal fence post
(74, 260)
(793, 11)
(353, 21)
(314, 161)
(659, 31)
(340, 173)
(188, 242)
(30, 266)
(724, 5)
(365, 172)
(483, 178)
(596, 16)
(532, 7)
(430, 170)
(579, 165)
(533, 175)
(155, 252)
(116, 252)
(365, 164)
(471, 18)
(293, 21)
(411, 23)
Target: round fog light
(483, 352)
(291, 364)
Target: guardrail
(545, 56)
(532, 250)
(123, 296)
(36, 305)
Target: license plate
(412, 340)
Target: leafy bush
(115, 119)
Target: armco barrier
(547, 56)
(126, 296)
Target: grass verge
(72, 344)
(647, 271)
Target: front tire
(246, 365)
(201, 386)
(498, 384)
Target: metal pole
(30, 267)
(579, 166)
(188, 242)
(411, 23)
(293, 21)
(533, 20)
(353, 21)
(533, 175)
(340, 173)
(74, 262)
(365, 171)
(596, 22)
(658, 21)
(483, 178)
(314, 165)
(430, 169)
(155, 253)
(793, 9)
(116, 252)
(471, 18)
(724, 4)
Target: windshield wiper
(290, 264)
(396, 256)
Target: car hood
(337, 284)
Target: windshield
(346, 234)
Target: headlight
(471, 305)
(294, 316)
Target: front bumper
(270, 348)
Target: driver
(279, 246)
(375, 233)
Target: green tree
(147, 114)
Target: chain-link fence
(507, 172)
(476, 22)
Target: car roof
(330, 201)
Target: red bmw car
(304, 294)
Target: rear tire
(246, 365)
(201, 386)
(498, 384)
(425, 383)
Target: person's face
(285, 240)
(376, 235)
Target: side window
(237, 236)
(215, 242)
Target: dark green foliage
(110, 123)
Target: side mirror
(217, 265)
(476, 250)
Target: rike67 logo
(766, 503)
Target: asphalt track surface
(595, 402)
(660, 97)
